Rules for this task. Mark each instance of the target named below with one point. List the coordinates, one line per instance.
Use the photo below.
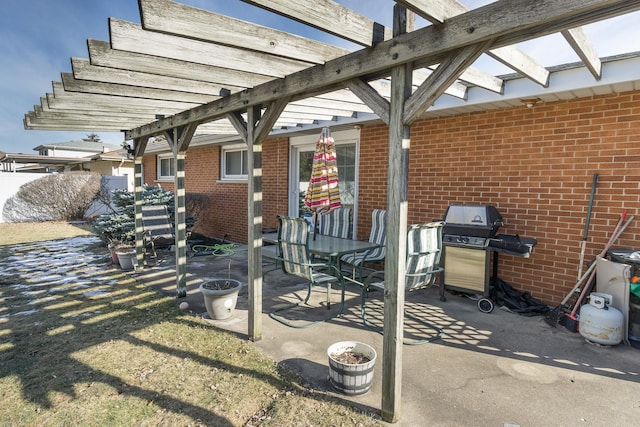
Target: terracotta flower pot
(114, 255)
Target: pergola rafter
(423, 47)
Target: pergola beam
(63, 99)
(72, 84)
(331, 17)
(579, 41)
(426, 46)
(440, 10)
(359, 29)
(83, 70)
(127, 35)
(101, 54)
(169, 17)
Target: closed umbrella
(323, 193)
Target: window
(166, 168)
(234, 163)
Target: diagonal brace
(435, 85)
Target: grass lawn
(82, 343)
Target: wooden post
(179, 140)
(254, 194)
(398, 172)
(139, 146)
(253, 133)
(180, 225)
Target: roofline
(566, 78)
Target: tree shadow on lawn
(71, 322)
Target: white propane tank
(599, 322)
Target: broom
(554, 315)
(583, 245)
(570, 321)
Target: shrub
(119, 226)
(56, 197)
(196, 204)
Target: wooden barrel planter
(351, 366)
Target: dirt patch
(350, 358)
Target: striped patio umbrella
(323, 193)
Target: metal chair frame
(156, 224)
(295, 259)
(424, 249)
(336, 222)
(377, 235)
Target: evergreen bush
(119, 226)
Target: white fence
(10, 183)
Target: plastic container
(599, 322)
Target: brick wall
(536, 166)
(227, 213)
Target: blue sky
(38, 38)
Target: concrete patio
(497, 369)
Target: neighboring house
(94, 156)
(75, 149)
(533, 160)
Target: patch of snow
(25, 313)
(32, 293)
(96, 293)
(41, 300)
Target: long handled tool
(570, 321)
(586, 225)
(555, 314)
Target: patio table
(329, 246)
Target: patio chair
(336, 223)
(424, 248)
(377, 235)
(295, 259)
(157, 227)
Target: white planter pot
(351, 378)
(220, 297)
(127, 258)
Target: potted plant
(220, 296)
(112, 251)
(351, 366)
(126, 256)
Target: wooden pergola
(187, 71)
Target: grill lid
(472, 220)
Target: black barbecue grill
(469, 236)
(470, 225)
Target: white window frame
(224, 176)
(308, 143)
(160, 158)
